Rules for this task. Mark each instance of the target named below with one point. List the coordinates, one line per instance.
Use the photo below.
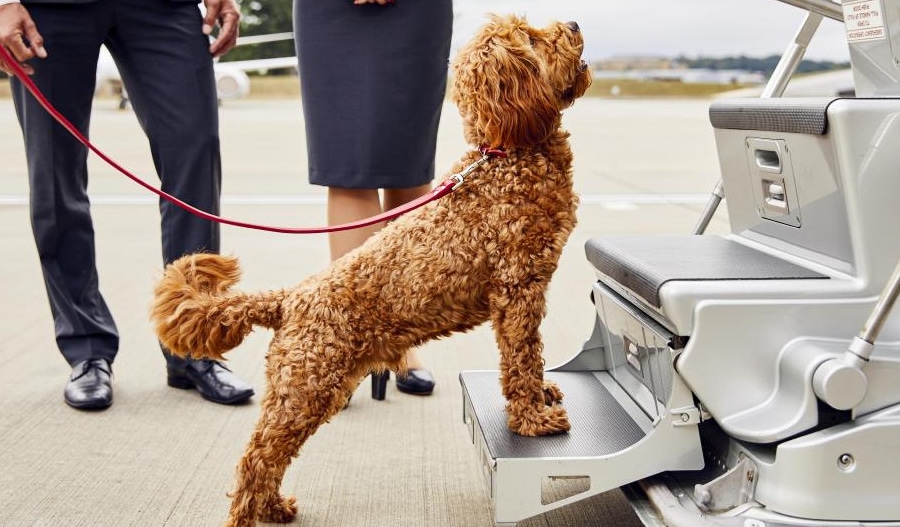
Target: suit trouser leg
(57, 168)
(166, 66)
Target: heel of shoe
(180, 381)
(379, 384)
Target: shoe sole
(228, 402)
(412, 392)
(89, 405)
(183, 383)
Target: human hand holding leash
(228, 15)
(19, 36)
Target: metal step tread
(600, 426)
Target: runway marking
(609, 201)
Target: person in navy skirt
(373, 75)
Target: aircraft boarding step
(612, 442)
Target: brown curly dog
(484, 252)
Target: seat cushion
(644, 263)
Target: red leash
(438, 192)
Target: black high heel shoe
(379, 384)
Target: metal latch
(688, 415)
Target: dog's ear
(499, 86)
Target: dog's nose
(573, 26)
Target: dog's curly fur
(484, 252)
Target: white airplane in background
(231, 77)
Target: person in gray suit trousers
(163, 51)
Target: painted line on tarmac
(611, 201)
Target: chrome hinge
(688, 415)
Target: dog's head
(511, 81)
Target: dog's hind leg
(516, 317)
(296, 404)
(260, 471)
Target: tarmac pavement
(165, 457)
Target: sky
(710, 28)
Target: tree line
(765, 65)
(263, 18)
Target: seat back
(812, 178)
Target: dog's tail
(196, 315)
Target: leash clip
(459, 178)
(486, 154)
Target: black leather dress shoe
(214, 381)
(416, 382)
(90, 385)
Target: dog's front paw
(552, 393)
(529, 421)
(279, 510)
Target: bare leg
(394, 197)
(346, 205)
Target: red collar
(491, 152)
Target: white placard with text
(863, 20)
